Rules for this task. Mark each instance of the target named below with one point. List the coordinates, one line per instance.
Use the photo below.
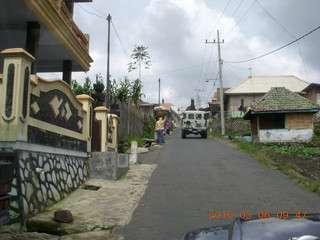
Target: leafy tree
(136, 90)
(140, 56)
(123, 92)
(85, 89)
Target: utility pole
(221, 85)
(198, 101)
(159, 92)
(108, 66)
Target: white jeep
(194, 122)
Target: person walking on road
(168, 126)
(159, 130)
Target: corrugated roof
(282, 99)
(263, 84)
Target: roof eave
(285, 111)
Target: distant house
(282, 116)
(173, 112)
(214, 105)
(312, 92)
(250, 91)
(148, 108)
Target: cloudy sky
(175, 32)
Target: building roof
(309, 87)
(281, 99)
(167, 105)
(263, 84)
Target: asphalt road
(195, 176)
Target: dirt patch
(309, 168)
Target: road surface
(195, 176)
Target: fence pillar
(113, 131)
(87, 101)
(134, 150)
(14, 94)
(101, 113)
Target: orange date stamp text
(255, 215)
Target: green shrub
(128, 139)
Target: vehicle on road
(286, 227)
(194, 122)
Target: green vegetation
(125, 90)
(149, 127)
(128, 139)
(265, 155)
(299, 161)
(300, 150)
(86, 88)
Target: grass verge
(262, 154)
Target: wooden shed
(282, 116)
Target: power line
(232, 15)
(178, 70)
(243, 16)
(203, 55)
(125, 52)
(266, 54)
(219, 19)
(274, 19)
(90, 5)
(92, 13)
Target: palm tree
(139, 56)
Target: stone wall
(232, 125)
(42, 179)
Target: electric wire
(219, 19)
(232, 15)
(92, 13)
(284, 46)
(246, 14)
(206, 73)
(96, 9)
(274, 19)
(124, 50)
(214, 84)
(203, 56)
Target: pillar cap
(101, 109)
(82, 97)
(114, 116)
(18, 52)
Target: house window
(272, 121)
(191, 116)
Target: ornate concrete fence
(45, 129)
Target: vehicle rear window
(191, 116)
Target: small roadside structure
(282, 116)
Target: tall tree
(140, 56)
(192, 106)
